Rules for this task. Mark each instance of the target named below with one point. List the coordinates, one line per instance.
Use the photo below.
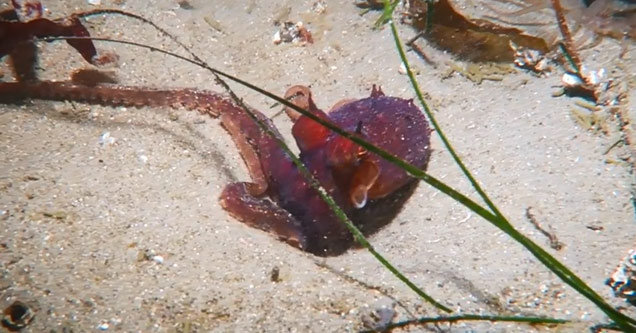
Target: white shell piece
(158, 259)
(571, 80)
(105, 139)
(277, 39)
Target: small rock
(143, 158)
(105, 139)
(379, 318)
(158, 259)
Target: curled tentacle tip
(301, 97)
(363, 179)
(359, 197)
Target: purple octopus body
(370, 190)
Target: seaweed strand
(568, 44)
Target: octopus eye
(361, 151)
(294, 96)
(363, 179)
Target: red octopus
(279, 199)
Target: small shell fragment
(530, 59)
(571, 80)
(291, 32)
(379, 318)
(277, 39)
(623, 280)
(17, 316)
(142, 158)
(158, 259)
(594, 77)
(402, 69)
(105, 139)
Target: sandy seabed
(110, 218)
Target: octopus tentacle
(204, 101)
